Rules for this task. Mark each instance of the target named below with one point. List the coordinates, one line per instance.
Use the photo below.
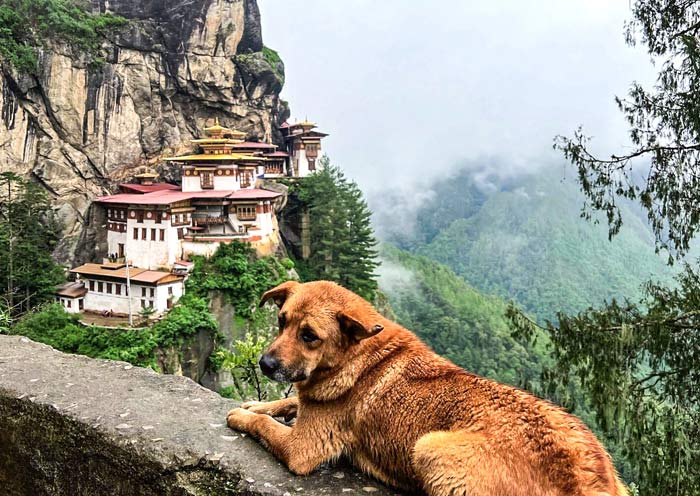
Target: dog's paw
(261, 407)
(239, 419)
(249, 405)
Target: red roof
(253, 144)
(277, 154)
(143, 188)
(167, 197)
(254, 194)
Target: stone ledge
(72, 425)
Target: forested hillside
(456, 320)
(524, 240)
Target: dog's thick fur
(370, 390)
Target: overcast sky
(409, 88)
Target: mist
(409, 90)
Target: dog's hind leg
(463, 463)
(286, 407)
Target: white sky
(410, 88)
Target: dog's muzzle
(273, 369)
(269, 365)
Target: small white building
(303, 143)
(106, 288)
(72, 297)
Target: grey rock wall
(71, 425)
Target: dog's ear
(279, 293)
(356, 327)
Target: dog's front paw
(251, 405)
(240, 419)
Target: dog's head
(318, 322)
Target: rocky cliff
(78, 129)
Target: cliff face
(79, 129)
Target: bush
(52, 325)
(189, 317)
(236, 271)
(26, 25)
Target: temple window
(207, 180)
(245, 212)
(153, 234)
(245, 178)
(136, 233)
(162, 234)
(99, 287)
(92, 285)
(109, 288)
(144, 233)
(274, 168)
(118, 289)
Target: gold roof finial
(216, 121)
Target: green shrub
(235, 271)
(190, 316)
(26, 25)
(273, 58)
(52, 325)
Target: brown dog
(370, 390)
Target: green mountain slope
(457, 321)
(524, 240)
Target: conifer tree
(342, 238)
(28, 234)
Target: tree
(662, 171)
(639, 362)
(342, 238)
(29, 232)
(640, 367)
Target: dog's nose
(269, 364)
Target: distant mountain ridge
(522, 238)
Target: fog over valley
(410, 90)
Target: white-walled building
(303, 147)
(106, 287)
(156, 224)
(71, 296)
(157, 227)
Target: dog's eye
(281, 321)
(308, 336)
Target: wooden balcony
(209, 221)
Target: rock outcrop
(79, 129)
(72, 425)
